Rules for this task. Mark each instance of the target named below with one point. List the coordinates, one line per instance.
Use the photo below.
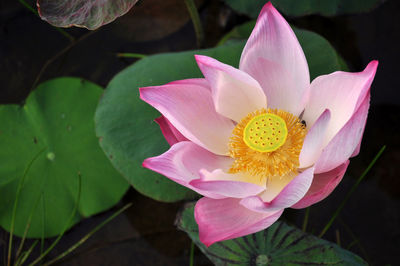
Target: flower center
(265, 133)
(267, 143)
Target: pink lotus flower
(258, 139)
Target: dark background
(32, 51)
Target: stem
(43, 225)
(28, 224)
(26, 254)
(305, 221)
(337, 233)
(19, 188)
(353, 188)
(191, 262)
(198, 28)
(86, 237)
(131, 55)
(51, 60)
(65, 227)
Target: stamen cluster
(279, 162)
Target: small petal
(341, 93)
(314, 141)
(228, 185)
(224, 219)
(189, 107)
(171, 134)
(182, 163)
(288, 196)
(322, 185)
(234, 92)
(346, 141)
(274, 57)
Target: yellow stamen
(282, 141)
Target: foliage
(57, 119)
(90, 14)
(299, 8)
(280, 244)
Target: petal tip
(199, 57)
(372, 66)
(159, 119)
(141, 90)
(203, 59)
(146, 163)
(268, 8)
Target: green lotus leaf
(298, 8)
(55, 125)
(280, 244)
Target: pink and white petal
(228, 185)
(313, 143)
(279, 86)
(182, 163)
(171, 134)
(287, 197)
(341, 93)
(234, 92)
(358, 148)
(284, 61)
(194, 81)
(345, 142)
(188, 105)
(224, 219)
(322, 185)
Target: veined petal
(314, 141)
(322, 185)
(234, 92)
(341, 93)
(228, 185)
(274, 57)
(171, 134)
(189, 107)
(279, 86)
(345, 142)
(226, 219)
(288, 196)
(182, 163)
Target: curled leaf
(90, 14)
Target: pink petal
(194, 167)
(357, 150)
(322, 185)
(346, 141)
(274, 57)
(228, 185)
(189, 107)
(290, 194)
(171, 134)
(314, 141)
(224, 219)
(183, 161)
(235, 93)
(341, 93)
(278, 85)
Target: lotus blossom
(258, 139)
